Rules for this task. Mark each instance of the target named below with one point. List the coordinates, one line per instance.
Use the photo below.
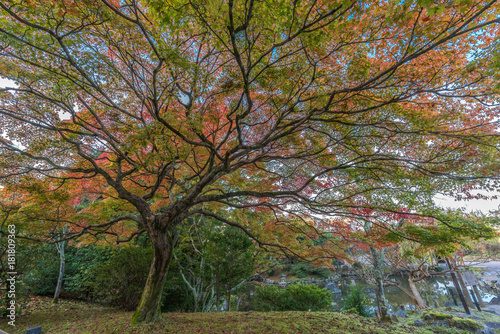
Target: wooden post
(479, 299)
(457, 286)
(464, 289)
(475, 300)
(453, 296)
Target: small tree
(232, 256)
(416, 262)
(60, 246)
(213, 260)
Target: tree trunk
(217, 293)
(419, 302)
(228, 300)
(378, 261)
(408, 293)
(62, 263)
(150, 302)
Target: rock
(468, 325)
(433, 318)
(418, 323)
(401, 314)
(333, 288)
(449, 304)
(495, 301)
(486, 330)
(433, 315)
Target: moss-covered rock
(467, 324)
(433, 315)
(433, 318)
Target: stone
(333, 288)
(418, 323)
(495, 301)
(35, 330)
(449, 303)
(433, 315)
(401, 314)
(468, 325)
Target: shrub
(267, 298)
(357, 266)
(120, 280)
(80, 268)
(302, 269)
(356, 303)
(42, 277)
(298, 297)
(114, 276)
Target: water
(434, 288)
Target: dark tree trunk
(150, 302)
(228, 300)
(217, 293)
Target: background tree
(284, 109)
(408, 243)
(231, 254)
(214, 260)
(60, 246)
(417, 263)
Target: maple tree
(154, 111)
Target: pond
(432, 289)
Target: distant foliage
(356, 303)
(112, 276)
(42, 276)
(298, 297)
(304, 269)
(24, 261)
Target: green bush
(80, 266)
(176, 296)
(302, 269)
(298, 297)
(357, 266)
(41, 278)
(356, 303)
(113, 276)
(120, 280)
(24, 262)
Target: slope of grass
(82, 318)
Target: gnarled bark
(149, 306)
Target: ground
(82, 318)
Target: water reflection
(432, 289)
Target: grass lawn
(79, 318)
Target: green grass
(79, 318)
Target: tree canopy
(257, 114)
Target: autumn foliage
(127, 117)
